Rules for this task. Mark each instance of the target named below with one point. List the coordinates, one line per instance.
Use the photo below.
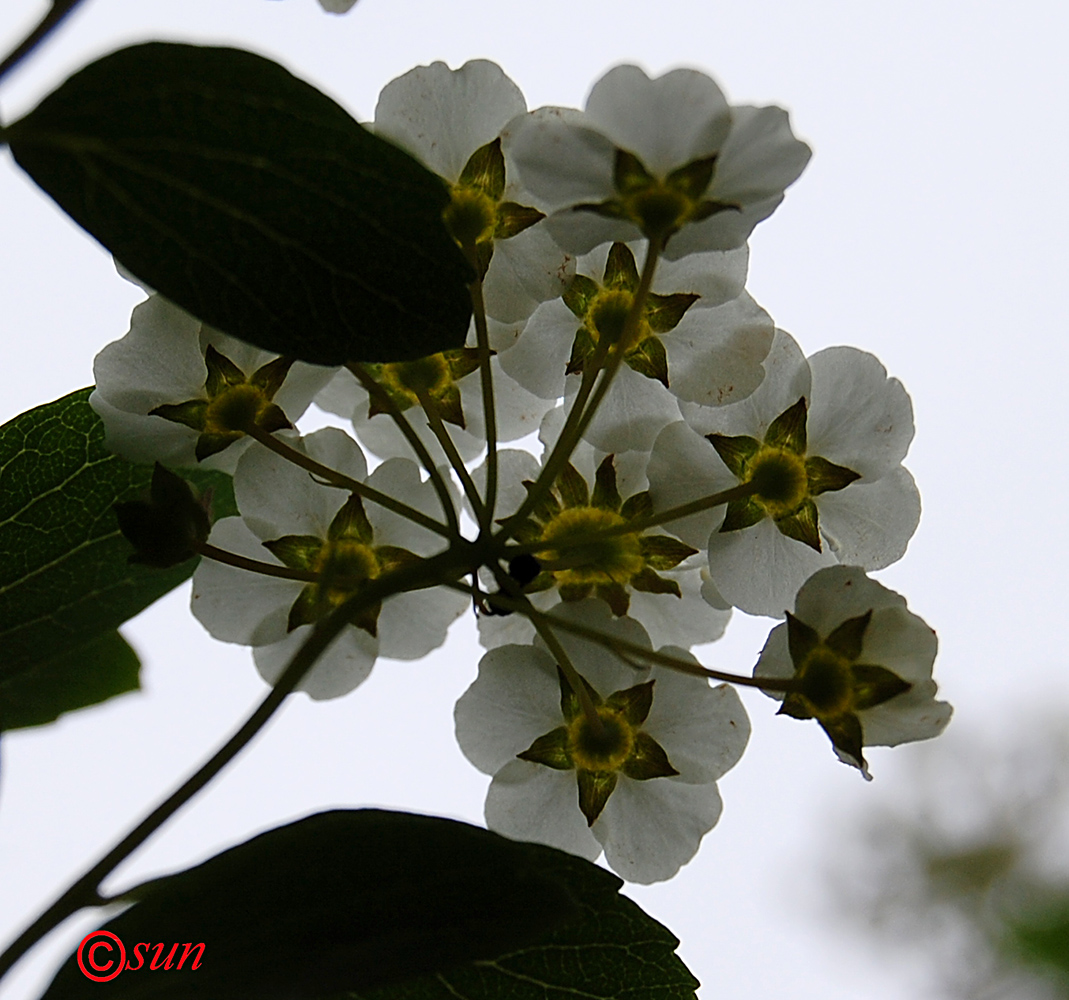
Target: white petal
(759, 570)
(538, 359)
(235, 605)
(718, 277)
(443, 116)
(786, 380)
(514, 700)
(759, 158)
(839, 593)
(513, 467)
(715, 355)
(344, 665)
(721, 231)
(650, 829)
(278, 498)
(667, 122)
(703, 729)
(634, 411)
(683, 621)
(400, 478)
(870, 524)
(525, 270)
(561, 158)
(684, 467)
(531, 802)
(859, 417)
(412, 624)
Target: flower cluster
(694, 460)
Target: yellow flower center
(234, 409)
(408, 380)
(827, 682)
(470, 216)
(606, 751)
(571, 538)
(344, 565)
(780, 478)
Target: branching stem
(52, 20)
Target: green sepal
(550, 750)
(463, 361)
(570, 706)
(295, 551)
(485, 170)
(580, 294)
(595, 787)
(620, 268)
(582, 350)
(191, 414)
(222, 373)
(847, 639)
(637, 505)
(802, 525)
(844, 731)
(513, 219)
(447, 404)
(606, 496)
(693, 178)
(615, 595)
(629, 173)
(571, 592)
(795, 706)
(708, 208)
(633, 703)
(648, 760)
(306, 609)
(393, 557)
(273, 419)
(351, 522)
(740, 514)
(825, 477)
(874, 685)
(664, 552)
(484, 254)
(802, 639)
(788, 430)
(663, 312)
(166, 527)
(648, 582)
(269, 377)
(212, 444)
(545, 508)
(572, 487)
(734, 451)
(649, 358)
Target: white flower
(822, 439)
(451, 120)
(648, 790)
(290, 519)
(701, 338)
(457, 390)
(863, 664)
(196, 374)
(665, 157)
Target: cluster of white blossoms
(693, 461)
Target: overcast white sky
(931, 228)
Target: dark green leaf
(103, 668)
(614, 951)
(362, 899)
(64, 575)
(254, 202)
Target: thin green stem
(486, 376)
(255, 565)
(607, 359)
(52, 20)
(456, 462)
(335, 478)
(453, 562)
(386, 403)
